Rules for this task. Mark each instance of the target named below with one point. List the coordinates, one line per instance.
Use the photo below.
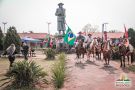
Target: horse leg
(121, 61)
(124, 60)
(93, 56)
(88, 56)
(128, 59)
(132, 57)
(105, 60)
(83, 55)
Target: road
(89, 75)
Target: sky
(33, 15)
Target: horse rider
(80, 38)
(89, 40)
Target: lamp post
(4, 23)
(49, 27)
(103, 27)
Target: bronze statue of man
(60, 13)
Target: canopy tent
(28, 39)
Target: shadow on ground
(109, 69)
(80, 65)
(125, 69)
(91, 62)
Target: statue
(60, 13)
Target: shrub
(50, 53)
(132, 68)
(59, 71)
(25, 74)
(12, 37)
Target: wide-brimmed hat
(80, 33)
(60, 4)
(89, 34)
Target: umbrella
(28, 39)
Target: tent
(28, 39)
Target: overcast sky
(27, 15)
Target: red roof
(33, 35)
(110, 35)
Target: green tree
(1, 39)
(131, 34)
(12, 37)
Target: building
(39, 36)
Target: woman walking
(11, 53)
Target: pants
(11, 59)
(25, 56)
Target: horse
(106, 52)
(91, 49)
(122, 53)
(80, 49)
(98, 48)
(126, 51)
(98, 51)
(130, 53)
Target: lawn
(39, 59)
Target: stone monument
(60, 13)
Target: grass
(132, 68)
(59, 71)
(39, 59)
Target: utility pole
(4, 23)
(49, 27)
(103, 28)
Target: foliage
(131, 34)
(12, 37)
(1, 39)
(132, 68)
(59, 71)
(89, 28)
(25, 74)
(113, 31)
(50, 53)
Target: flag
(126, 33)
(69, 37)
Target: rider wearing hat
(89, 40)
(80, 37)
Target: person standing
(11, 53)
(25, 51)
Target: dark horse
(80, 50)
(98, 49)
(122, 53)
(125, 51)
(106, 52)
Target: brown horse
(122, 52)
(98, 51)
(80, 50)
(106, 52)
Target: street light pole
(49, 27)
(4, 23)
(103, 27)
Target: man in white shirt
(89, 40)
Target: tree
(113, 31)
(89, 28)
(1, 39)
(131, 34)
(12, 37)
